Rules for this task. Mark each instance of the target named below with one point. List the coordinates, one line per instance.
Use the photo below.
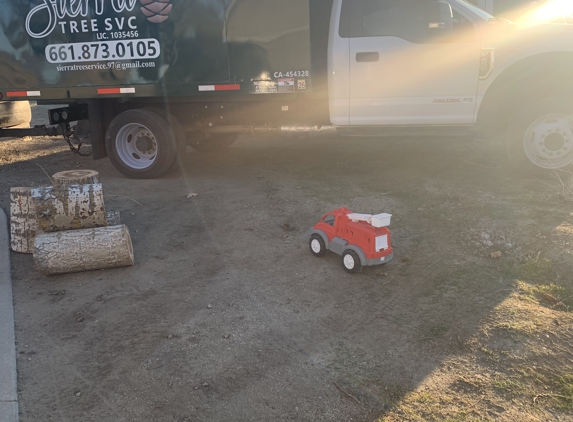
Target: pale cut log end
(76, 177)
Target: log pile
(22, 220)
(83, 250)
(69, 207)
(66, 226)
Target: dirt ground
(226, 316)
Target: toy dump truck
(360, 239)
(154, 76)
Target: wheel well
(533, 78)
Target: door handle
(370, 56)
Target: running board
(396, 131)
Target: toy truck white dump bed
(378, 220)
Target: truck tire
(176, 127)
(140, 144)
(14, 113)
(317, 245)
(540, 137)
(213, 143)
(351, 261)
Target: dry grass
(520, 359)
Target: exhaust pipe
(290, 131)
(242, 129)
(306, 130)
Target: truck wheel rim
(548, 141)
(136, 146)
(315, 245)
(349, 261)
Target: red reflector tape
(116, 91)
(23, 94)
(225, 87)
(232, 87)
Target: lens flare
(556, 11)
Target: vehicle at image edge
(360, 239)
(151, 77)
(15, 113)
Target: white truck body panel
(338, 70)
(413, 84)
(409, 84)
(516, 42)
(427, 83)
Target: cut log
(22, 220)
(113, 218)
(83, 250)
(69, 207)
(76, 177)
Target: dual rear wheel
(141, 144)
(144, 143)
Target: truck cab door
(410, 62)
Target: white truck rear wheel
(141, 144)
(541, 136)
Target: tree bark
(22, 220)
(113, 218)
(76, 177)
(69, 207)
(83, 250)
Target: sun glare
(552, 11)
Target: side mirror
(440, 19)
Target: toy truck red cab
(361, 239)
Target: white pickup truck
(449, 64)
(200, 73)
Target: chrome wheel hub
(136, 146)
(548, 142)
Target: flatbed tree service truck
(153, 76)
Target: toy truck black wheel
(213, 143)
(317, 246)
(540, 136)
(351, 261)
(140, 144)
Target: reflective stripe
(23, 94)
(225, 87)
(116, 91)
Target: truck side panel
(68, 49)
